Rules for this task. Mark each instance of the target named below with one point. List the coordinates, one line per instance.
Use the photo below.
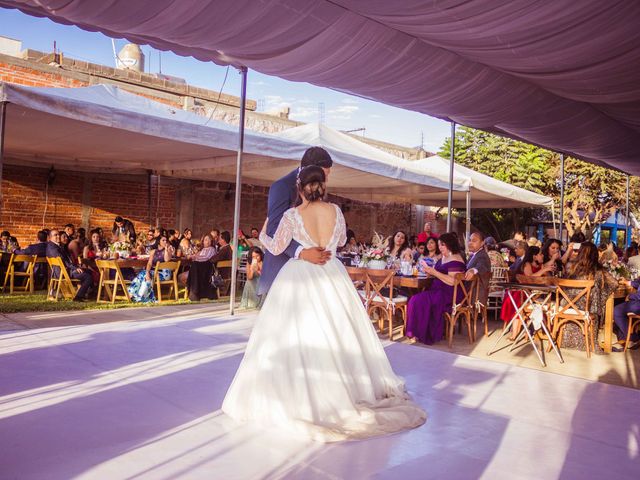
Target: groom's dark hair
(316, 156)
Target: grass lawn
(38, 303)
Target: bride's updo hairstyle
(311, 183)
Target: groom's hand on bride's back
(316, 255)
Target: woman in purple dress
(425, 313)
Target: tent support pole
(157, 200)
(561, 195)
(149, 202)
(236, 208)
(3, 118)
(467, 234)
(451, 165)
(553, 219)
(627, 222)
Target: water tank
(131, 58)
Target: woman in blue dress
(141, 288)
(425, 313)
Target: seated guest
(552, 253)
(497, 260)
(40, 249)
(520, 248)
(70, 230)
(634, 258)
(250, 297)
(243, 244)
(254, 241)
(141, 288)
(420, 252)
(123, 230)
(215, 234)
(198, 278)
(8, 243)
(55, 249)
(64, 243)
(224, 253)
(426, 234)
(81, 236)
(351, 247)
(586, 267)
(399, 244)
(479, 263)
(174, 238)
(425, 313)
(432, 254)
(186, 245)
(147, 244)
(632, 305)
(97, 249)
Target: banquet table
(418, 283)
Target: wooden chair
(385, 305)
(174, 266)
(44, 279)
(481, 302)
(634, 322)
(60, 283)
(13, 273)
(359, 278)
(105, 267)
(566, 310)
(227, 281)
(463, 308)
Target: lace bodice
(292, 227)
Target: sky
(341, 111)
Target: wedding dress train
(314, 364)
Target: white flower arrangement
(379, 249)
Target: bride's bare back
(319, 219)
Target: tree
(592, 193)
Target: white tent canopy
(102, 127)
(487, 191)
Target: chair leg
(628, 339)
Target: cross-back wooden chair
(566, 310)
(60, 282)
(358, 276)
(634, 322)
(13, 273)
(481, 303)
(496, 292)
(105, 267)
(379, 296)
(463, 308)
(172, 282)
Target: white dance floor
(140, 399)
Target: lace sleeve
(282, 237)
(341, 228)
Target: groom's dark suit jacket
(282, 196)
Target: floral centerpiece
(122, 248)
(619, 270)
(377, 255)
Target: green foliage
(592, 193)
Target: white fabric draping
(561, 74)
(104, 128)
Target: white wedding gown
(314, 364)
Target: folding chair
(375, 300)
(482, 299)
(568, 294)
(463, 308)
(62, 284)
(13, 273)
(227, 281)
(105, 267)
(172, 282)
(496, 292)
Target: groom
(282, 196)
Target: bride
(314, 365)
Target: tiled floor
(140, 398)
